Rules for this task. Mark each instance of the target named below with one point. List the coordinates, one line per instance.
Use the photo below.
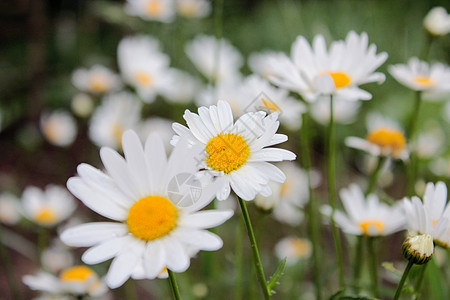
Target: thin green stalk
(374, 177)
(357, 266)
(402, 281)
(238, 261)
(43, 240)
(6, 262)
(411, 174)
(130, 290)
(173, 285)
(256, 257)
(419, 280)
(373, 265)
(313, 219)
(331, 196)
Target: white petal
(89, 234)
(201, 239)
(177, 259)
(104, 251)
(154, 259)
(205, 219)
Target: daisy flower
(82, 105)
(77, 280)
(262, 63)
(154, 208)
(236, 151)
(193, 8)
(216, 59)
(97, 80)
(228, 90)
(367, 216)
(117, 113)
(57, 257)
(187, 87)
(385, 138)
(293, 249)
(47, 207)
(433, 80)
(432, 216)
(437, 21)
(430, 143)
(59, 128)
(313, 70)
(344, 112)
(160, 126)
(151, 10)
(9, 209)
(143, 66)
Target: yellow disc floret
(153, 8)
(387, 137)
(143, 78)
(98, 83)
(424, 81)
(270, 106)
(341, 79)
(371, 227)
(226, 152)
(151, 217)
(45, 215)
(77, 273)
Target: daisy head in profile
(293, 249)
(367, 216)
(96, 80)
(153, 204)
(236, 152)
(385, 138)
(437, 21)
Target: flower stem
(256, 257)
(420, 277)
(402, 281)
(331, 195)
(313, 223)
(373, 265)
(173, 285)
(43, 240)
(130, 290)
(238, 261)
(374, 176)
(6, 262)
(358, 262)
(411, 176)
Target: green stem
(173, 285)
(256, 257)
(373, 265)
(331, 196)
(402, 281)
(358, 262)
(130, 290)
(6, 261)
(419, 280)
(374, 177)
(238, 261)
(411, 176)
(43, 240)
(313, 219)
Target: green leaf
(273, 281)
(439, 286)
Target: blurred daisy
(293, 249)
(194, 8)
(59, 128)
(82, 105)
(76, 280)
(385, 138)
(97, 80)
(366, 216)
(153, 226)
(144, 66)
(433, 80)
(432, 216)
(228, 90)
(236, 151)
(386, 175)
(429, 143)
(437, 21)
(151, 10)
(187, 87)
(262, 63)
(314, 71)
(9, 209)
(344, 112)
(116, 114)
(160, 126)
(47, 207)
(56, 258)
(216, 60)
(440, 166)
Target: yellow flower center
(151, 217)
(51, 130)
(117, 131)
(424, 81)
(340, 79)
(153, 8)
(226, 152)
(76, 273)
(143, 78)
(302, 248)
(98, 83)
(371, 226)
(387, 137)
(45, 215)
(434, 222)
(187, 8)
(270, 106)
(285, 187)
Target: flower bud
(418, 249)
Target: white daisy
(228, 90)
(9, 209)
(367, 216)
(293, 249)
(430, 142)
(57, 257)
(314, 71)
(385, 138)
(433, 80)
(440, 166)
(160, 126)
(194, 8)
(151, 10)
(97, 80)
(117, 113)
(432, 216)
(437, 21)
(216, 60)
(344, 112)
(154, 203)
(59, 128)
(76, 280)
(144, 66)
(47, 207)
(236, 151)
(262, 63)
(82, 105)
(186, 89)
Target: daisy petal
(89, 234)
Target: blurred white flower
(144, 66)
(429, 143)
(186, 87)
(57, 257)
(97, 80)
(151, 10)
(194, 8)
(293, 249)
(82, 105)
(344, 111)
(313, 70)
(59, 128)
(216, 60)
(160, 126)
(437, 21)
(385, 177)
(47, 207)
(228, 90)
(440, 166)
(262, 63)
(9, 209)
(117, 113)
(433, 80)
